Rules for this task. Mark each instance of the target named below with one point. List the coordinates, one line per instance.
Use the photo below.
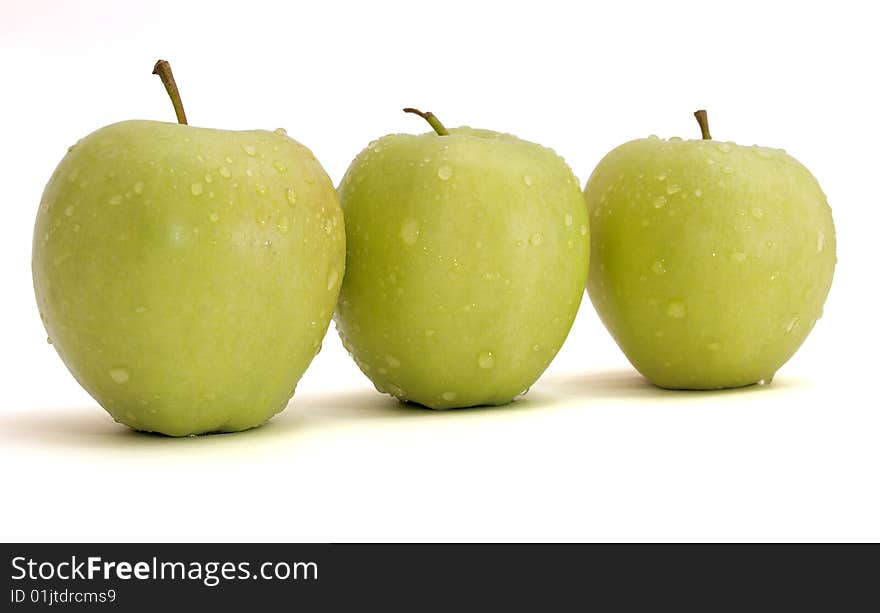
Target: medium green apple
(467, 259)
(710, 261)
(186, 276)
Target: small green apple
(186, 276)
(467, 259)
(710, 261)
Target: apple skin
(186, 276)
(710, 261)
(467, 260)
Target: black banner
(414, 577)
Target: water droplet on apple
(728, 170)
(444, 172)
(774, 276)
(672, 189)
(119, 375)
(536, 347)
(536, 239)
(738, 256)
(676, 309)
(209, 178)
(486, 360)
(328, 225)
(224, 172)
(715, 346)
(583, 230)
(138, 188)
(757, 213)
(448, 396)
(698, 192)
(69, 211)
(196, 189)
(762, 382)
(568, 219)
(261, 190)
(279, 166)
(73, 175)
(527, 180)
(332, 278)
(49, 339)
(659, 202)
(280, 131)
(249, 149)
(115, 200)
(820, 241)
(662, 176)
(291, 196)
(283, 225)
(140, 309)
(214, 216)
(392, 361)
(724, 148)
(410, 231)
(791, 325)
(658, 267)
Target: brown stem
(439, 128)
(703, 120)
(163, 69)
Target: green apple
(710, 261)
(466, 263)
(186, 276)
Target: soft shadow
(91, 427)
(629, 384)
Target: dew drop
(527, 180)
(757, 213)
(738, 256)
(583, 230)
(214, 216)
(328, 225)
(672, 189)
(536, 239)
(283, 225)
(658, 267)
(698, 192)
(820, 241)
(444, 172)
(676, 309)
(49, 339)
(138, 188)
(69, 211)
(568, 219)
(791, 325)
(662, 176)
(115, 200)
(659, 202)
(727, 170)
(536, 347)
(448, 396)
(332, 278)
(249, 149)
(196, 189)
(224, 172)
(140, 309)
(261, 190)
(119, 375)
(392, 361)
(410, 231)
(279, 166)
(429, 333)
(486, 360)
(209, 178)
(724, 148)
(291, 196)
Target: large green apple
(711, 261)
(467, 259)
(186, 276)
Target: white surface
(593, 452)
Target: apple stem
(439, 128)
(703, 120)
(163, 69)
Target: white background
(593, 452)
